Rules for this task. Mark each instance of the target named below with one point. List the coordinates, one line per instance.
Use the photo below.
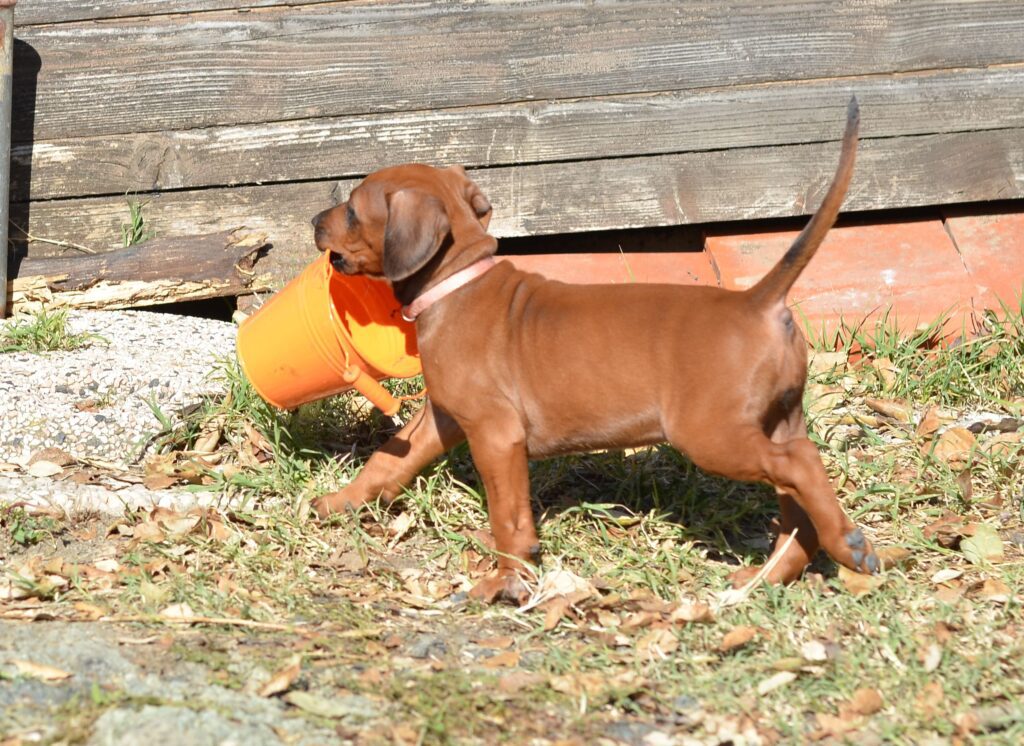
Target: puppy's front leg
(499, 454)
(396, 463)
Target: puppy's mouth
(338, 262)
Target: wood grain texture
(338, 147)
(173, 72)
(611, 194)
(34, 12)
(163, 270)
(227, 257)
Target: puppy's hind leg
(794, 468)
(393, 467)
(797, 542)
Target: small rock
(630, 732)
(428, 646)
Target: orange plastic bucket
(325, 333)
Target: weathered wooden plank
(178, 72)
(631, 192)
(33, 12)
(164, 270)
(777, 114)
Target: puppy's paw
(744, 575)
(335, 502)
(783, 573)
(864, 558)
(501, 585)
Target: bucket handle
(369, 387)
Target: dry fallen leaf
(966, 723)
(984, 546)
(639, 619)
(933, 419)
(931, 657)
(996, 591)
(209, 438)
(891, 557)
(40, 671)
(320, 706)
(283, 679)
(859, 584)
(1004, 445)
(519, 680)
(691, 613)
(399, 528)
(885, 370)
(56, 455)
(896, 409)
(178, 611)
(931, 699)
(944, 576)
(176, 525)
(774, 682)
(827, 361)
(831, 726)
(590, 683)
(554, 610)
(966, 485)
(594, 683)
(564, 583)
(44, 469)
(88, 611)
(737, 637)
(658, 643)
(159, 481)
(814, 651)
(507, 659)
(823, 400)
(954, 446)
(351, 561)
(497, 643)
(866, 701)
(107, 565)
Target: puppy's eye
(350, 215)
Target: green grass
(43, 331)
(650, 531)
(135, 230)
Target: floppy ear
(475, 197)
(417, 224)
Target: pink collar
(446, 286)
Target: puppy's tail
(774, 285)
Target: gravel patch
(95, 402)
(145, 357)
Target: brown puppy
(524, 367)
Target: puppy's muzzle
(320, 236)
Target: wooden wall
(573, 116)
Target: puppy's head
(398, 219)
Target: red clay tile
(992, 247)
(859, 272)
(684, 268)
